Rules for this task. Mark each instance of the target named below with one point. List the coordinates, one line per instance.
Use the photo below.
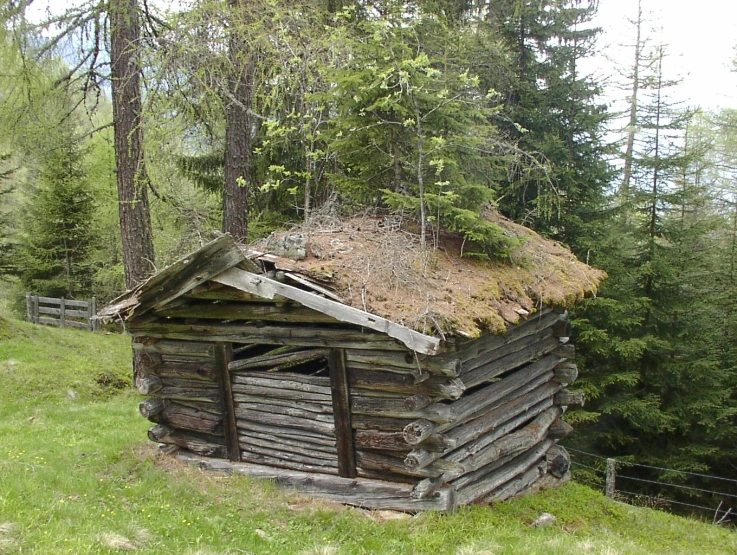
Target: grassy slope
(77, 476)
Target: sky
(701, 38)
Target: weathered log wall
(480, 420)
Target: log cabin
(347, 362)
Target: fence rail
(63, 313)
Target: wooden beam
(223, 356)
(267, 288)
(342, 414)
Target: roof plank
(268, 288)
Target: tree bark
(238, 129)
(135, 217)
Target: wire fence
(607, 474)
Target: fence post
(62, 312)
(35, 309)
(94, 324)
(29, 308)
(611, 473)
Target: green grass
(78, 476)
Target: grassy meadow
(78, 476)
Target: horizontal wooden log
(566, 350)
(217, 291)
(151, 407)
(295, 382)
(246, 427)
(475, 348)
(321, 408)
(559, 461)
(200, 371)
(188, 349)
(481, 425)
(286, 441)
(519, 484)
(67, 312)
(566, 373)
(241, 392)
(296, 335)
(567, 398)
(408, 360)
(436, 387)
(482, 400)
(281, 360)
(151, 360)
(164, 434)
(560, 429)
(294, 412)
(475, 486)
(392, 465)
(367, 493)
(296, 455)
(381, 423)
(276, 462)
(148, 385)
(418, 431)
(506, 350)
(181, 417)
(417, 375)
(48, 321)
(266, 312)
(284, 421)
(520, 358)
(394, 441)
(397, 408)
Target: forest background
(248, 116)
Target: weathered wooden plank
(510, 348)
(307, 336)
(243, 393)
(342, 413)
(268, 440)
(295, 382)
(382, 423)
(219, 292)
(180, 417)
(259, 285)
(323, 408)
(67, 302)
(367, 493)
(69, 313)
(268, 312)
(223, 356)
(560, 429)
(277, 462)
(490, 371)
(308, 424)
(416, 375)
(397, 408)
(187, 349)
(392, 465)
(288, 453)
(567, 398)
(436, 386)
(204, 370)
(519, 484)
(566, 373)
(292, 411)
(282, 359)
(394, 441)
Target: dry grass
(376, 265)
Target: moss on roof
(376, 265)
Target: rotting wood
(481, 400)
(566, 373)
(367, 493)
(296, 335)
(259, 285)
(479, 486)
(568, 398)
(518, 485)
(342, 413)
(560, 429)
(164, 434)
(408, 360)
(436, 386)
(282, 359)
(418, 431)
(559, 461)
(490, 371)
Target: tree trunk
(135, 218)
(238, 129)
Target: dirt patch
(377, 265)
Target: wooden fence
(62, 312)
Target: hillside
(78, 476)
